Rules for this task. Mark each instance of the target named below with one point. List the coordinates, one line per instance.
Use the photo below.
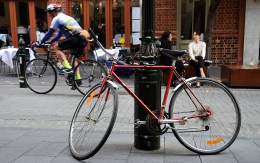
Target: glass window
(97, 19)
(41, 20)
(5, 35)
(199, 15)
(41, 16)
(118, 23)
(77, 11)
(136, 25)
(22, 18)
(192, 17)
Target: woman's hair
(197, 32)
(165, 43)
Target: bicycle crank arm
(139, 123)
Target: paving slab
(35, 128)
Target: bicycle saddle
(172, 53)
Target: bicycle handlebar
(95, 38)
(45, 46)
(92, 34)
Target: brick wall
(165, 16)
(64, 4)
(224, 50)
(225, 35)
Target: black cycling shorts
(76, 43)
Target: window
(5, 18)
(118, 23)
(136, 21)
(2, 9)
(192, 17)
(97, 19)
(22, 19)
(77, 11)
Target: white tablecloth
(6, 55)
(3, 37)
(39, 35)
(102, 56)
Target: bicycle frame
(112, 75)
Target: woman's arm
(191, 52)
(203, 51)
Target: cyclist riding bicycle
(75, 37)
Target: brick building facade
(228, 46)
(226, 31)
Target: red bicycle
(205, 120)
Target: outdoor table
(102, 56)
(6, 55)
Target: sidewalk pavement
(35, 128)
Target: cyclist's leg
(76, 71)
(91, 73)
(78, 52)
(68, 43)
(93, 121)
(207, 134)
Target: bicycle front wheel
(93, 121)
(91, 73)
(206, 134)
(40, 76)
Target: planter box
(241, 75)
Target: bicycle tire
(93, 121)
(40, 76)
(206, 135)
(91, 73)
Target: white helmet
(53, 7)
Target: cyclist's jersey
(66, 25)
(61, 20)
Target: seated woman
(197, 52)
(166, 43)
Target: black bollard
(22, 59)
(148, 89)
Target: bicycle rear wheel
(207, 134)
(91, 73)
(93, 121)
(40, 76)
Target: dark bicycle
(41, 73)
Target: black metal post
(22, 60)
(148, 89)
(147, 82)
(148, 17)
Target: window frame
(183, 44)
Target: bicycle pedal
(73, 88)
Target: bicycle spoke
(40, 76)
(93, 121)
(206, 134)
(91, 73)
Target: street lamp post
(147, 82)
